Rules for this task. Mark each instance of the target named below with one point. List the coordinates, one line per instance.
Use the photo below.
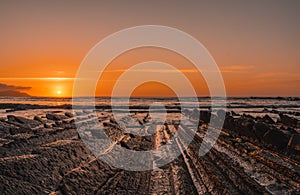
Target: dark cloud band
(5, 87)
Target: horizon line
(70, 97)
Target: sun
(58, 92)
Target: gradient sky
(256, 44)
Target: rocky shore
(253, 155)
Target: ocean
(255, 106)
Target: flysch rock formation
(46, 155)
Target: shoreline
(252, 154)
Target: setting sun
(58, 92)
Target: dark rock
(268, 119)
(47, 125)
(294, 143)
(37, 118)
(248, 117)
(11, 185)
(44, 168)
(69, 114)
(24, 121)
(265, 110)
(260, 129)
(288, 120)
(276, 188)
(88, 181)
(111, 125)
(18, 130)
(274, 111)
(276, 138)
(124, 145)
(258, 118)
(58, 123)
(229, 123)
(234, 113)
(55, 117)
(5, 127)
(65, 122)
(113, 121)
(247, 129)
(132, 135)
(204, 116)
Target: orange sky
(255, 44)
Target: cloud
(154, 70)
(224, 69)
(279, 75)
(5, 87)
(236, 69)
(41, 78)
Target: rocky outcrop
(288, 120)
(23, 121)
(55, 117)
(45, 155)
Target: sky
(256, 44)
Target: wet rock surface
(45, 154)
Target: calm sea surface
(253, 106)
